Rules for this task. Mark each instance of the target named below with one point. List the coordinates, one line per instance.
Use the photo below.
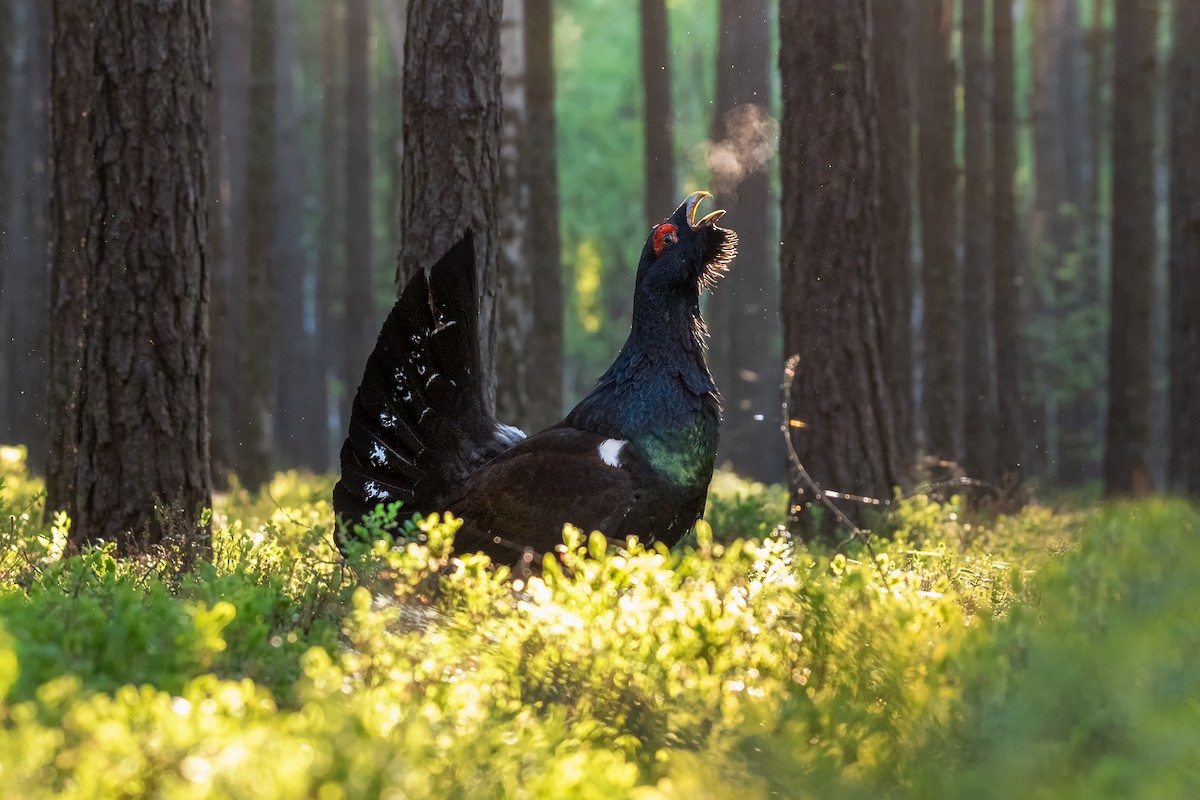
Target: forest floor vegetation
(1044, 654)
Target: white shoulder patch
(508, 435)
(610, 451)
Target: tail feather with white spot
(419, 424)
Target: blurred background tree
(992, 332)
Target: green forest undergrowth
(1039, 655)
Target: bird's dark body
(634, 458)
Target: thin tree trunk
(514, 300)
(833, 314)
(1093, 283)
(1046, 241)
(1127, 460)
(6, 422)
(659, 140)
(1184, 469)
(5, 63)
(140, 354)
(940, 280)
(331, 275)
(744, 357)
(892, 21)
(1064, 334)
(393, 147)
(1011, 435)
(979, 410)
(544, 251)
(300, 433)
(223, 384)
(362, 322)
(27, 276)
(452, 146)
(1079, 382)
(233, 80)
(257, 347)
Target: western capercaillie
(634, 458)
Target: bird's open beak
(693, 203)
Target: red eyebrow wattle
(659, 233)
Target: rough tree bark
(256, 417)
(1184, 461)
(130, 337)
(979, 388)
(362, 321)
(659, 142)
(891, 60)
(937, 182)
(452, 145)
(75, 182)
(745, 324)
(1007, 305)
(833, 315)
(1130, 380)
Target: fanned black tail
(419, 424)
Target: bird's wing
(563, 475)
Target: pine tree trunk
(1046, 242)
(223, 384)
(1011, 435)
(331, 278)
(1078, 382)
(1063, 336)
(891, 53)
(514, 297)
(744, 355)
(300, 432)
(833, 315)
(1093, 284)
(256, 418)
(1184, 469)
(937, 181)
(1127, 460)
(659, 141)
(544, 251)
(130, 333)
(979, 409)
(452, 145)
(362, 321)
(72, 256)
(5, 63)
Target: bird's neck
(659, 394)
(670, 324)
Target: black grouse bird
(635, 457)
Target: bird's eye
(664, 237)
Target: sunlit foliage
(1038, 655)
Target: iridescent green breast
(684, 456)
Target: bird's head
(686, 253)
